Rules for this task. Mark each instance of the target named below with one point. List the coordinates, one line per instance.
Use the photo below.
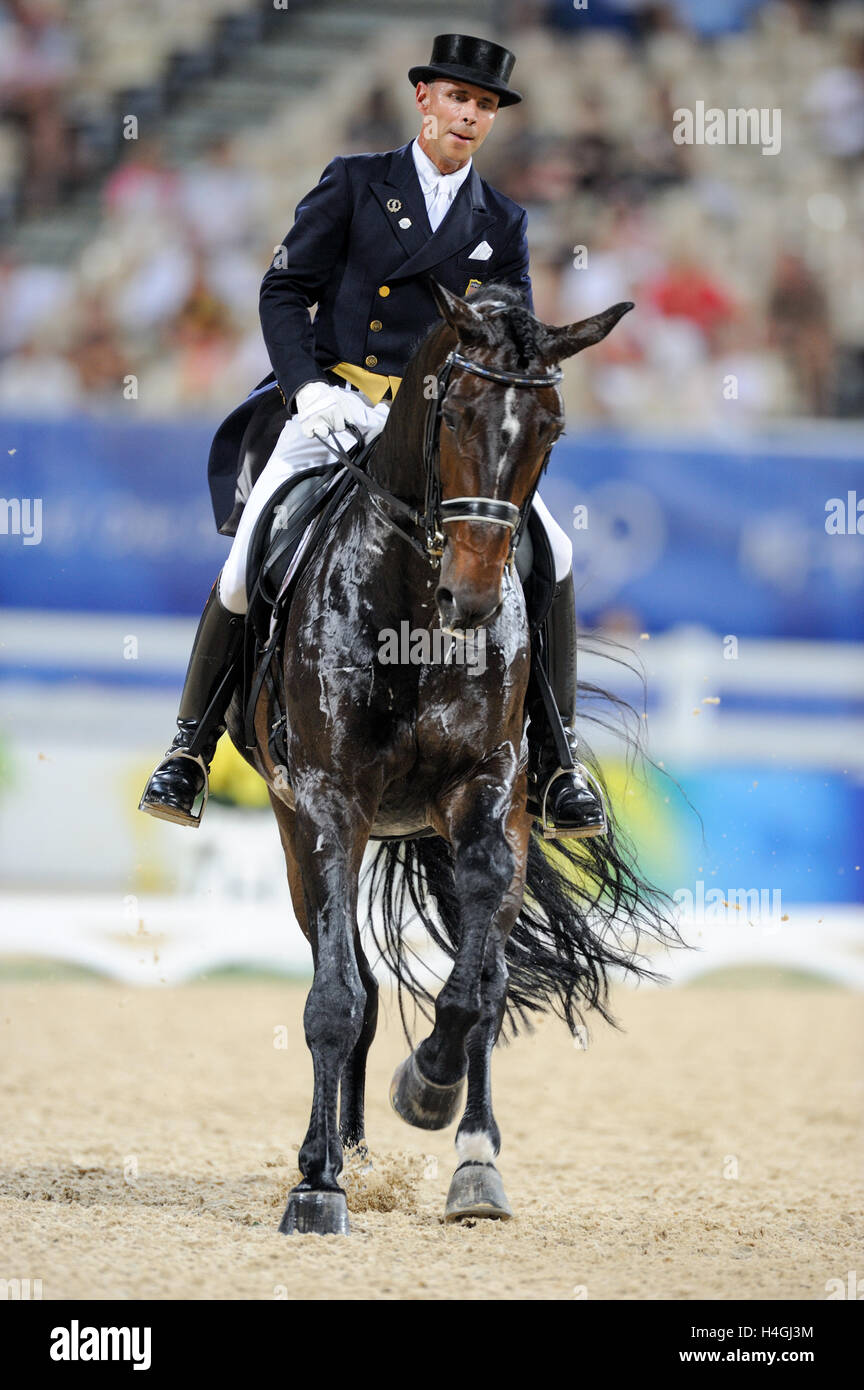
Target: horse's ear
(573, 337)
(461, 316)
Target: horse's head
(496, 435)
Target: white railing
(233, 906)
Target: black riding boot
(182, 774)
(561, 792)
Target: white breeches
(294, 451)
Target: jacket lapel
(466, 220)
(401, 197)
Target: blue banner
(759, 541)
(124, 518)
(755, 540)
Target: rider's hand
(322, 408)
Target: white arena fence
(220, 898)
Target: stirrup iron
(171, 813)
(555, 832)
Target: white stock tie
(439, 205)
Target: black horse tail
(586, 912)
(588, 909)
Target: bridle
(437, 510)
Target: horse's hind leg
(329, 851)
(285, 821)
(352, 1099)
(352, 1123)
(326, 1213)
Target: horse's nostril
(444, 598)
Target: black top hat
(478, 61)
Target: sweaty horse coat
(348, 253)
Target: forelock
(507, 319)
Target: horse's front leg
(427, 1088)
(352, 1123)
(329, 850)
(476, 1188)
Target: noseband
(437, 510)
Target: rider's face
(457, 117)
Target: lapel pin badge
(404, 221)
(393, 204)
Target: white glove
(322, 408)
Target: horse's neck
(397, 462)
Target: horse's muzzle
(466, 608)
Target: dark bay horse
(391, 750)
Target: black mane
(509, 323)
(515, 323)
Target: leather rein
(438, 510)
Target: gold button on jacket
(383, 290)
(371, 361)
(375, 325)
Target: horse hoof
(421, 1102)
(315, 1214)
(476, 1190)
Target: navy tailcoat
(348, 253)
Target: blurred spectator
(798, 321)
(205, 337)
(377, 126)
(38, 380)
(220, 201)
(688, 290)
(712, 18)
(629, 16)
(836, 101)
(37, 58)
(156, 285)
(30, 295)
(143, 185)
(97, 355)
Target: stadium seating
(746, 267)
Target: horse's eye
(454, 418)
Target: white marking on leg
(477, 1147)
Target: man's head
(457, 117)
(458, 92)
